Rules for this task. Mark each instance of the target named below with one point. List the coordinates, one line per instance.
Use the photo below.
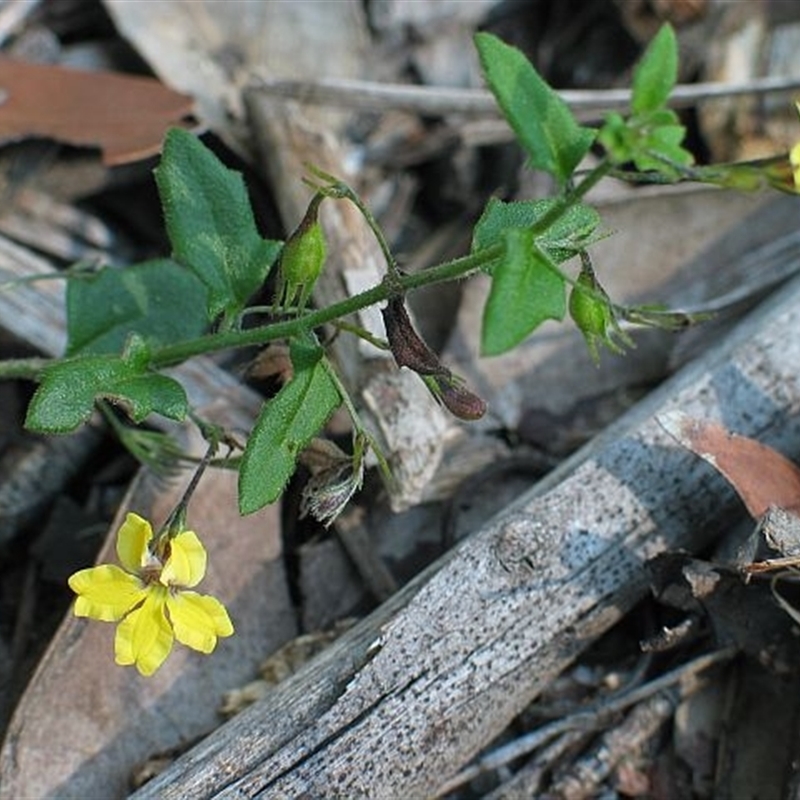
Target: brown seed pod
(408, 348)
(459, 400)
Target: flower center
(151, 571)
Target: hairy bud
(336, 477)
(302, 258)
(593, 313)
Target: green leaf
(210, 224)
(526, 290)
(572, 231)
(666, 140)
(651, 141)
(160, 300)
(541, 120)
(618, 140)
(656, 72)
(66, 396)
(287, 423)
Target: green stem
(23, 368)
(340, 190)
(81, 269)
(394, 283)
(572, 196)
(362, 333)
(31, 368)
(176, 521)
(451, 270)
(391, 263)
(360, 429)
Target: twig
(590, 718)
(441, 100)
(583, 777)
(20, 640)
(527, 781)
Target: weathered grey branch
(407, 697)
(441, 100)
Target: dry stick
(527, 782)
(481, 123)
(287, 142)
(23, 625)
(441, 100)
(582, 778)
(12, 17)
(593, 717)
(395, 406)
(418, 688)
(36, 472)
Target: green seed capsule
(591, 311)
(302, 259)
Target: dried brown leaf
(125, 116)
(762, 477)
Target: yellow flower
(794, 160)
(149, 596)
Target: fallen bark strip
(407, 697)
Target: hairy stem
(393, 283)
(451, 270)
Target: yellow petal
(794, 159)
(186, 564)
(132, 540)
(145, 637)
(106, 592)
(198, 620)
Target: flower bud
(302, 258)
(589, 312)
(794, 160)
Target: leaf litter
(739, 615)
